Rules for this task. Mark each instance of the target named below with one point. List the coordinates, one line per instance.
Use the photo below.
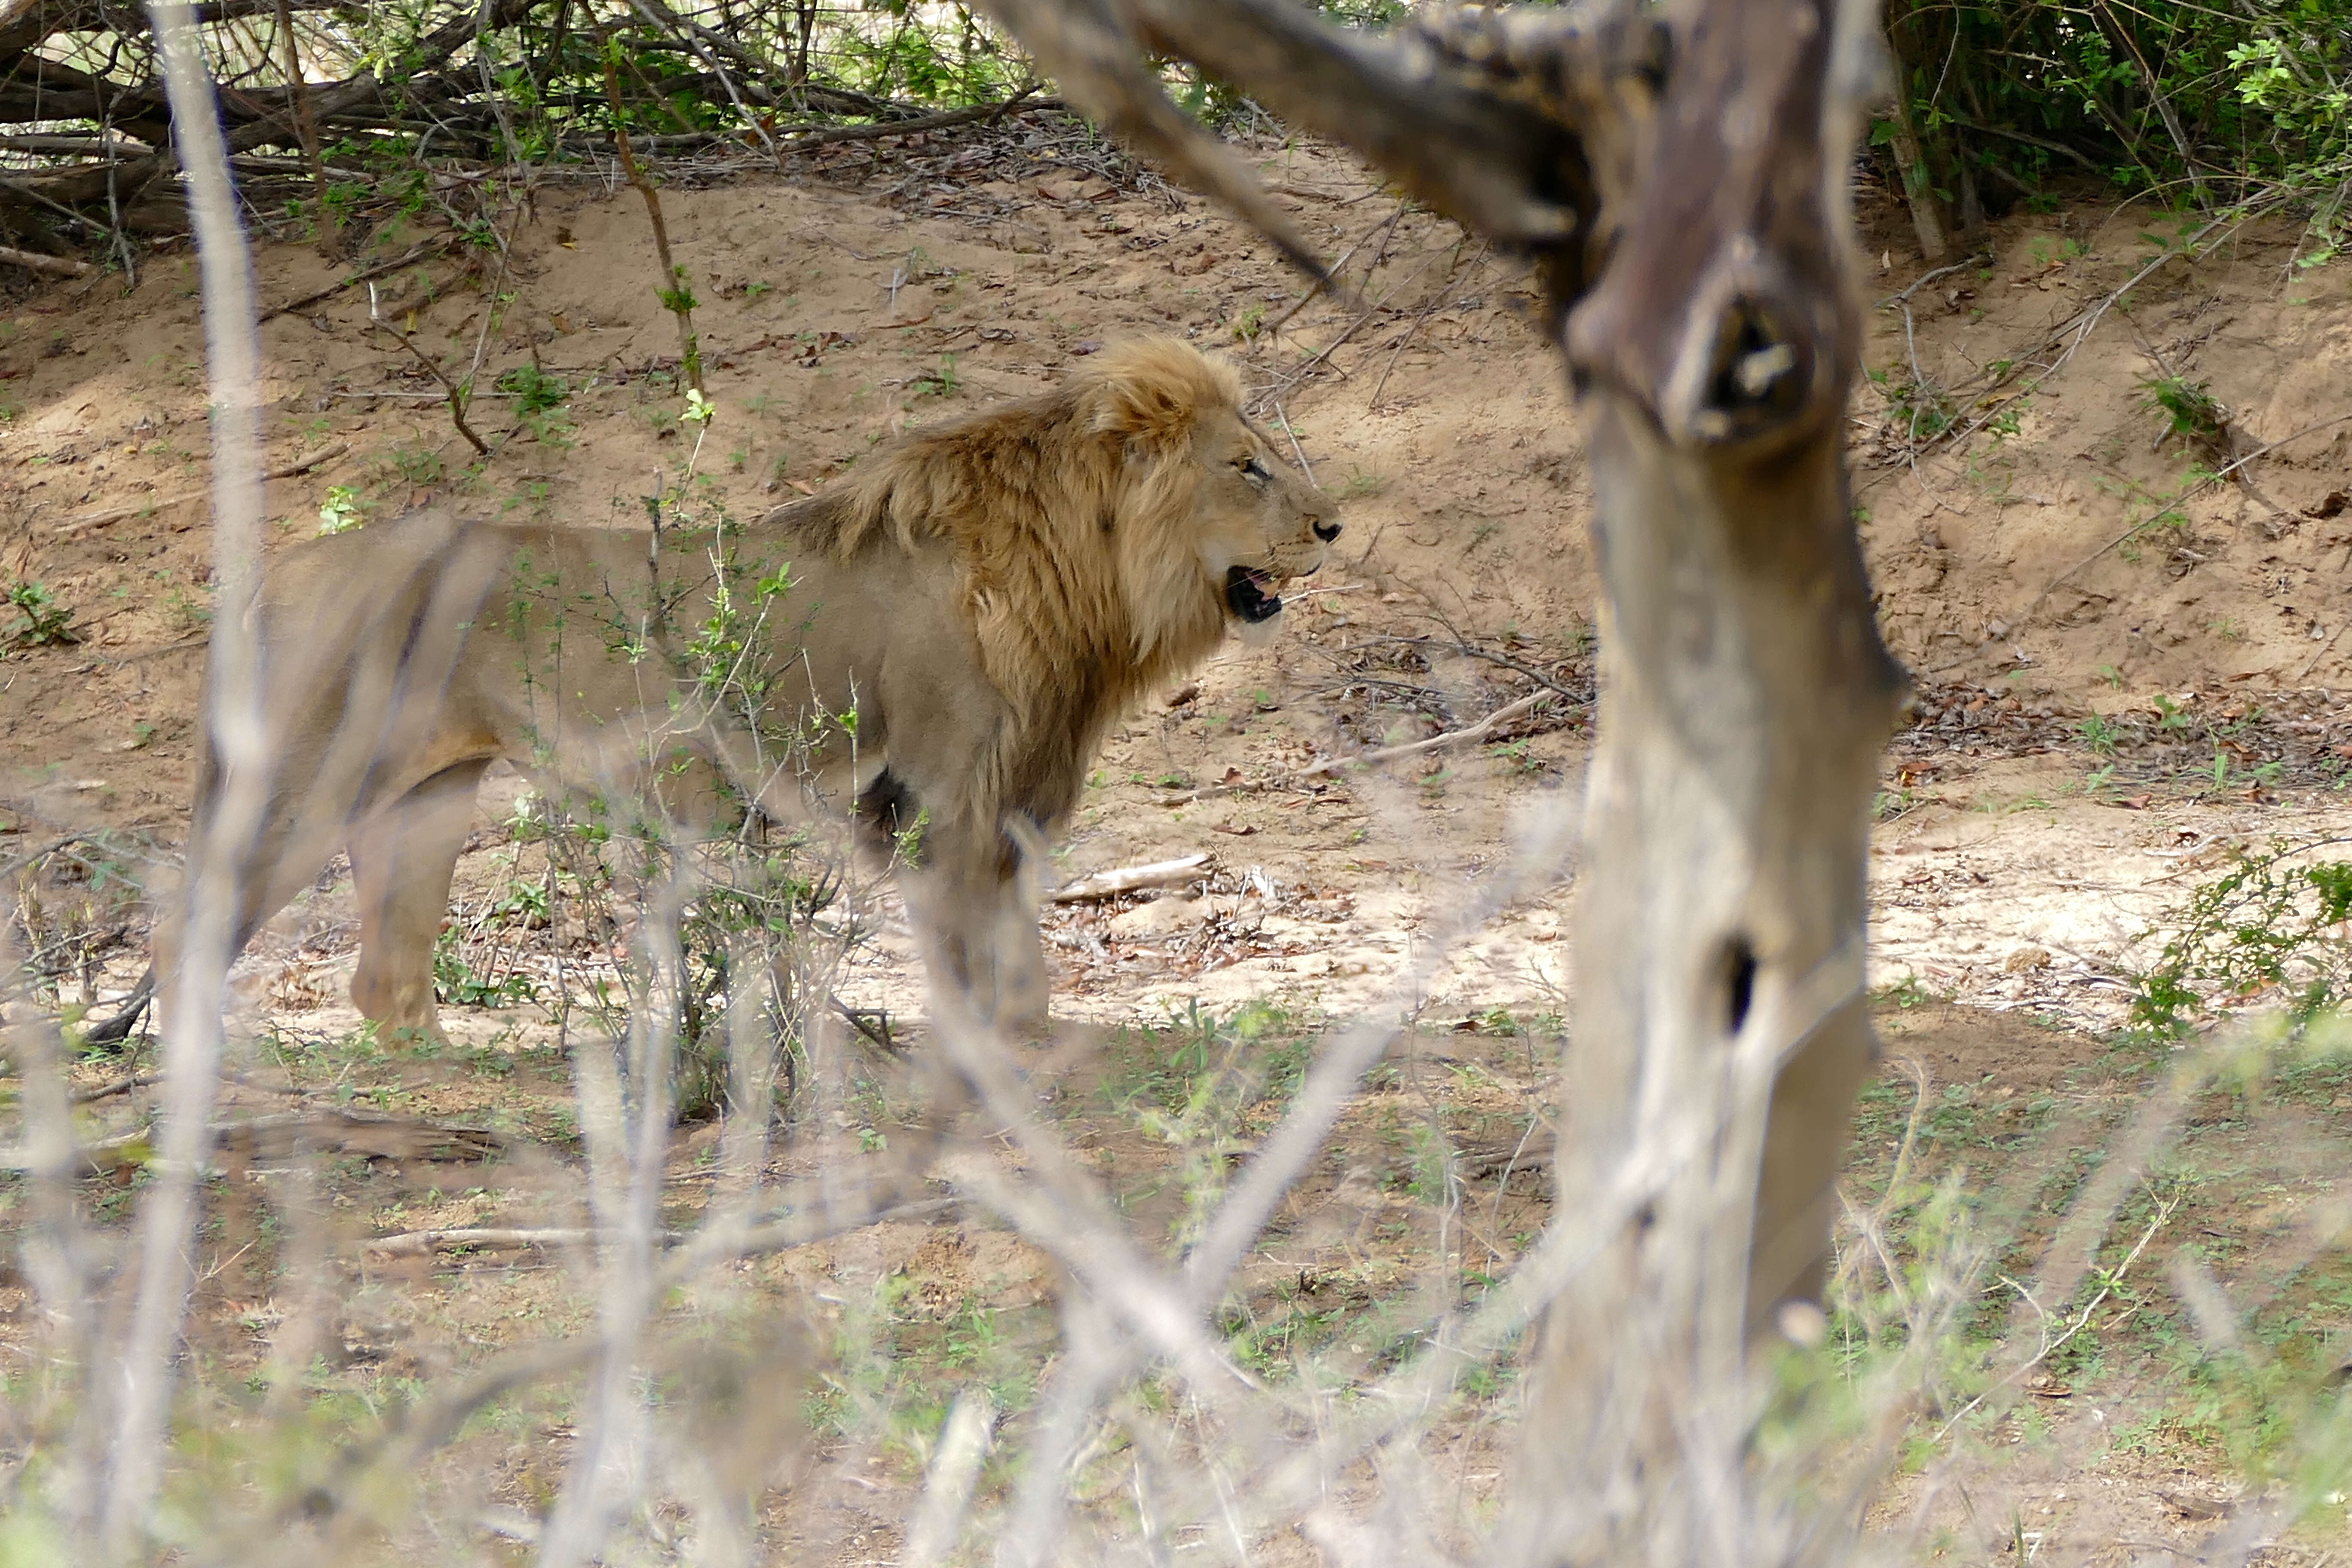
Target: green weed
(943, 382)
(2269, 928)
(342, 511)
(2190, 410)
(35, 617)
(535, 391)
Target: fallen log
(57, 266)
(481, 1238)
(1129, 879)
(284, 1136)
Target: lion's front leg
(1008, 970)
(980, 931)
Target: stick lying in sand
(1128, 879)
(302, 464)
(1463, 736)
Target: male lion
(971, 610)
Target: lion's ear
(1142, 409)
(1154, 390)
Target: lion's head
(1108, 531)
(1211, 483)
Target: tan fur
(985, 598)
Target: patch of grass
(1179, 1067)
(32, 617)
(1905, 994)
(1923, 409)
(189, 605)
(420, 466)
(1504, 1021)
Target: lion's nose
(1326, 531)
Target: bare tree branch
(1086, 45)
(193, 993)
(1482, 113)
(1499, 165)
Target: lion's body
(951, 631)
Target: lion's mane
(1069, 515)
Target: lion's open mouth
(1245, 595)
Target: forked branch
(1688, 212)
(1091, 48)
(1482, 113)
(1404, 100)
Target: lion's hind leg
(300, 822)
(404, 857)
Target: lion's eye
(1254, 469)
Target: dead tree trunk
(1682, 179)
(1745, 698)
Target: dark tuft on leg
(887, 810)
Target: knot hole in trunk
(1739, 982)
(1757, 379)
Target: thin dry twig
(675, 296)
(420, 1427)
(2325, 650)
(1451, 737)
(2051, 1345)
(2076, 329)
(1300, 371)
(831, 135)
(53, 1246)
(306, 122)
(2206, 483)
(1464, 736)
(92, 1095)
(365, 275)
(302, 464)
(1383, 228)
(1436, 301)
(1295, 450)
(194, 992)
(457, 394)
(662, 16)
(1927, 278)
(964, 1442)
